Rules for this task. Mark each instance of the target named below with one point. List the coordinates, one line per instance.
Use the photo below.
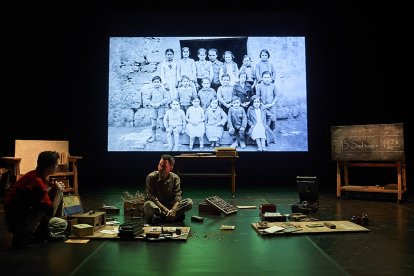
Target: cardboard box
(82, 230)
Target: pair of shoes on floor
(155, 220)
(179, 219)
(57, 237)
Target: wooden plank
(371, 164)
(310, 227)
(185, 232)
(368, 189)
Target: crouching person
(32, 204)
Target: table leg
(233, 177)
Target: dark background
(56, 81)
(238, 46)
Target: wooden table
(181, 159)
(342, 174)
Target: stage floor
(386, 249)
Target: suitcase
(308, 195)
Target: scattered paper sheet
(114, 231)
(273, 229)
(114, 222)
(273, 214)
(227, 227)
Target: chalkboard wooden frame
(374, 142)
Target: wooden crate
(96, 219)
(82, 230)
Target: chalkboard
(379, 142)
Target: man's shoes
(147, 219)
(234, 145)
(157, 220)
(181, 218)
(59, 237)
(242, 145)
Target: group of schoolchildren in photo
(206, 96)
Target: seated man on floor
(164, 202)
(32, 203)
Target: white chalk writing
(358, 145)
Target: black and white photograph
(202, 93)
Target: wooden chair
(25, 160)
